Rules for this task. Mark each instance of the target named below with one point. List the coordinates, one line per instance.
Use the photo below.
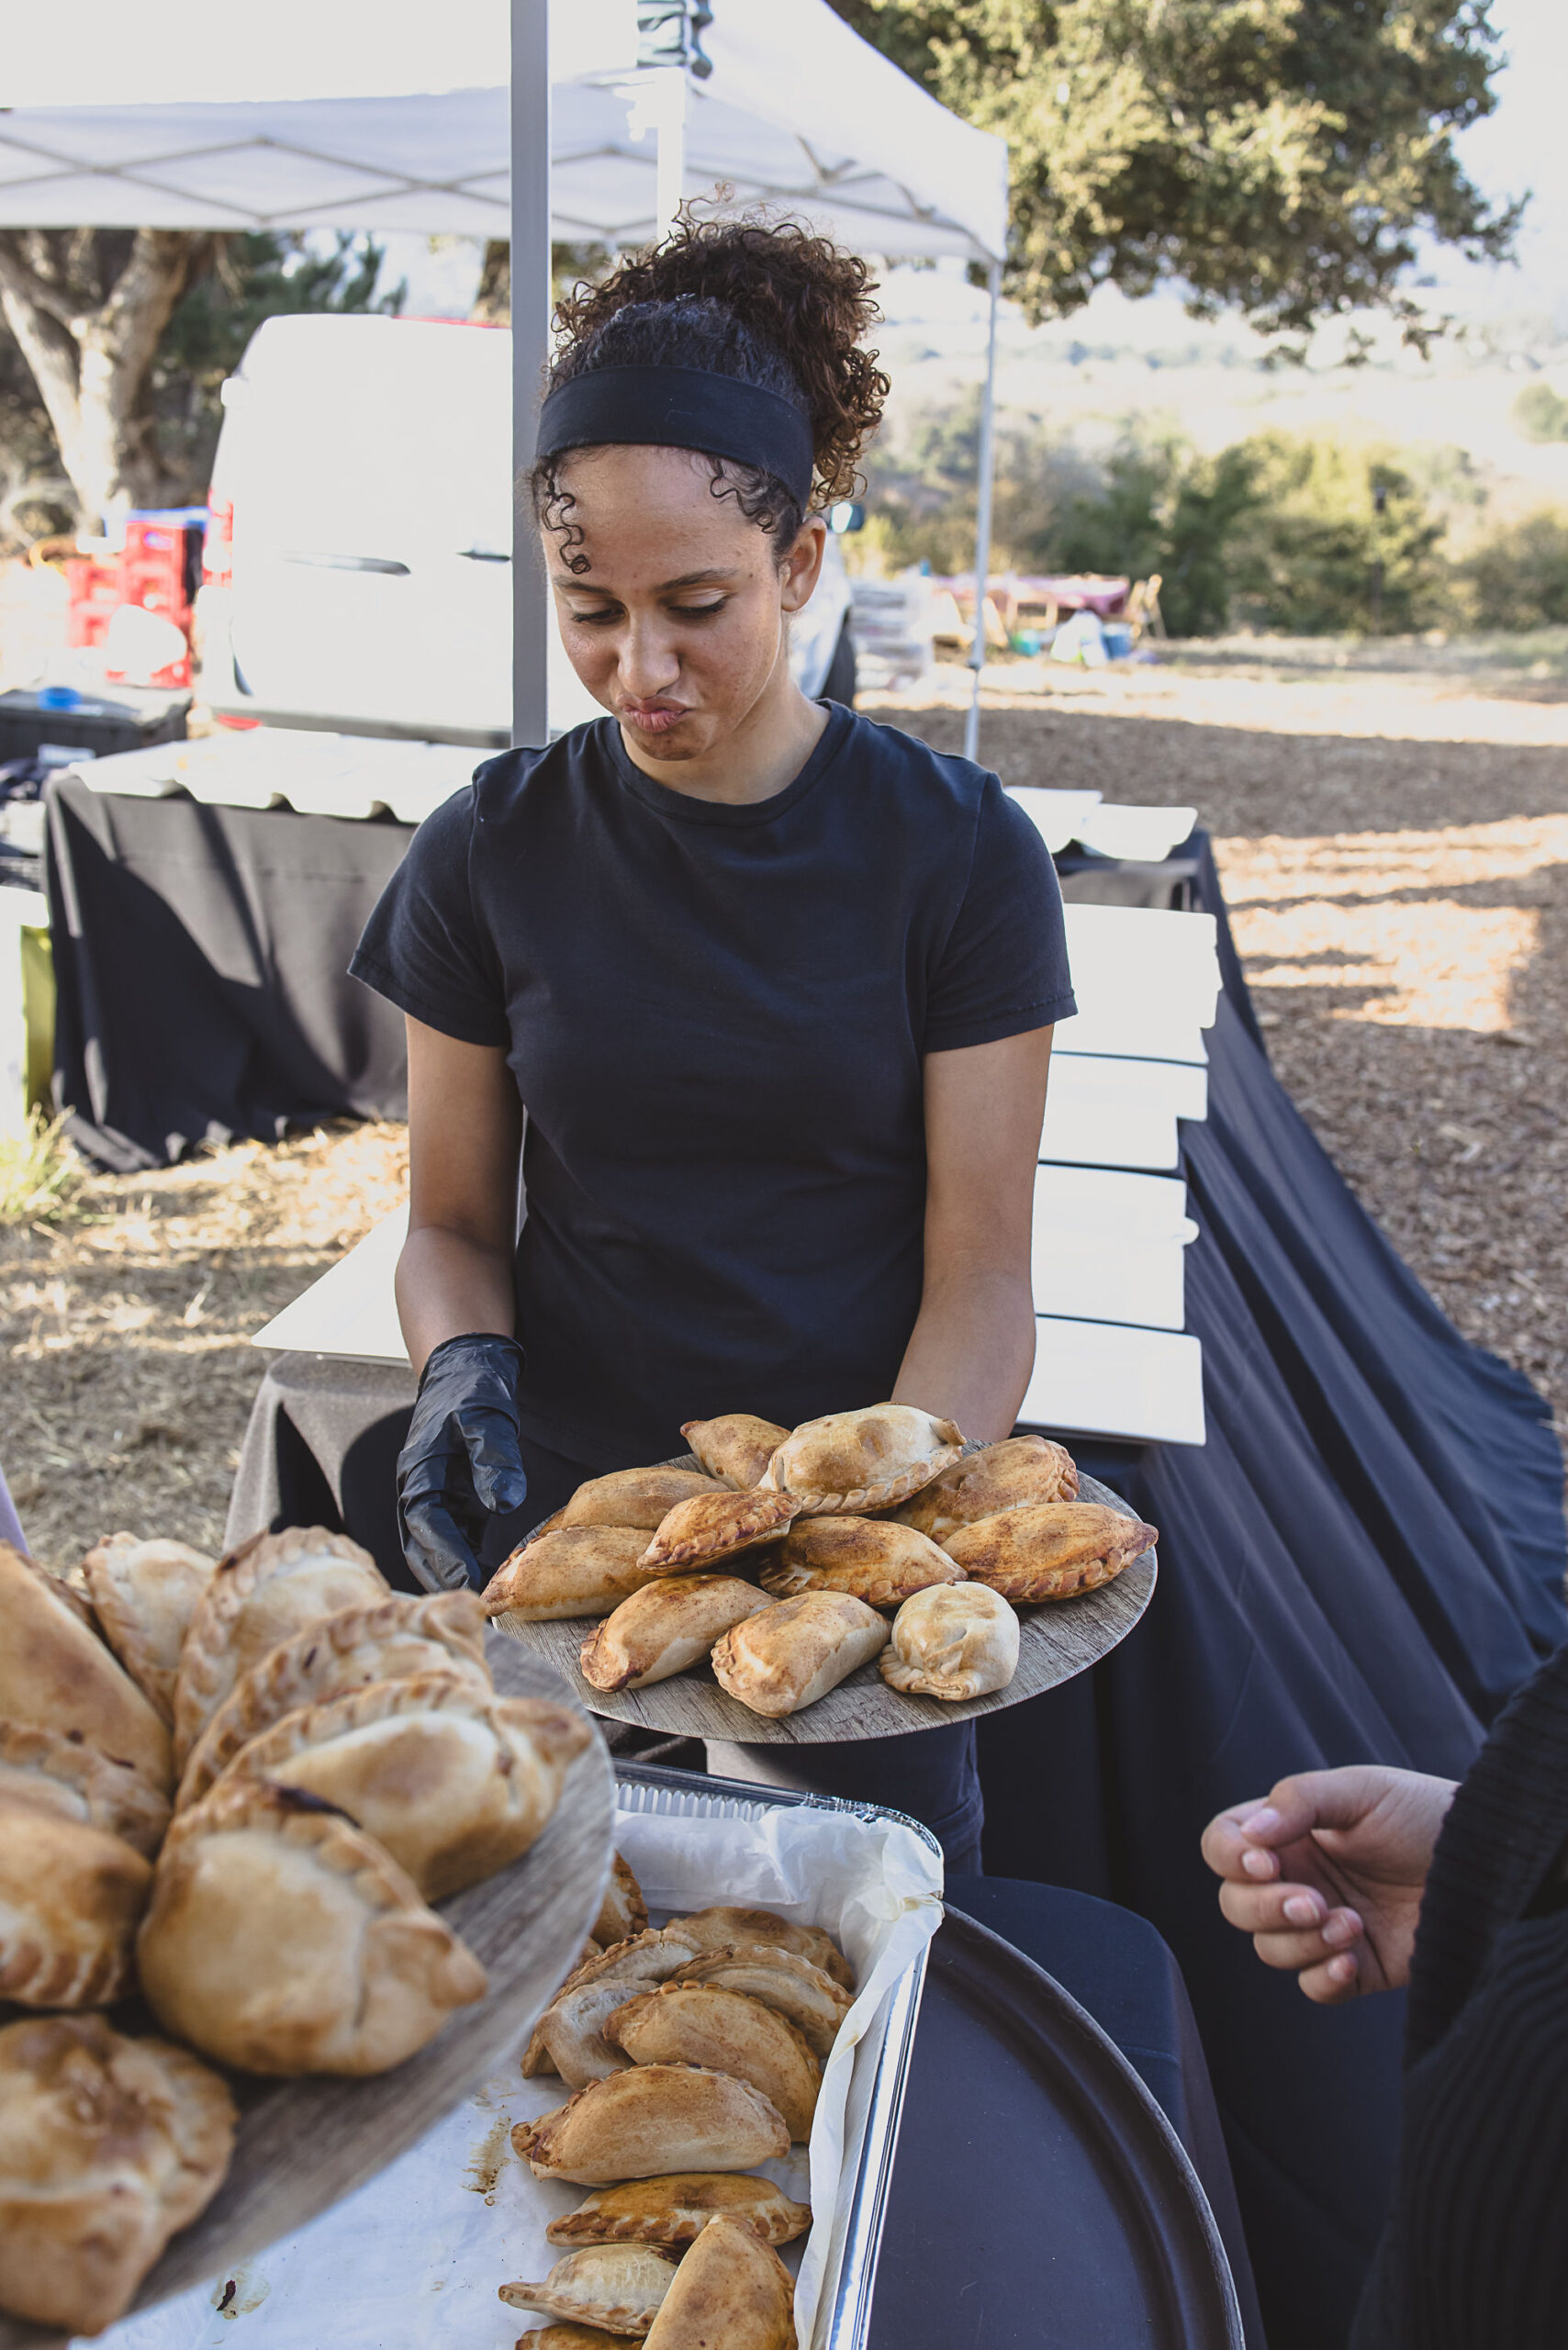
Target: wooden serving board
(1056, 1641)
(304, 2144)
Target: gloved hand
(461, 1464)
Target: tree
(127, 333)
(1280, 157)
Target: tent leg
(670, 169)
(530, 618)
(982, 516)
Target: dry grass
(1393, 846)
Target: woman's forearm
(449, 1285)
(972, 1351)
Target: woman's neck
(758, 759)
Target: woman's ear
(801, 567)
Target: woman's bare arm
(973, 1349)
(464, 1134)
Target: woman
(1369, 1879)
(776, 985)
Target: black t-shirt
(716, 1017)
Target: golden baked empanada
(701, 2023)
(617, 2286)
(144, 1594)
(456, 1784)
(797, 1649)
(569, 2337)
(108, 2145)
(71, 1898)
(714, 1529)
(74, 1781)
(724, 1928)
(650, 2120)
(669, 1625)
(782, 1980)
(1050, 1551)
(731, 2290)
(873, 1558)
(390, 1639)
(284, 1940)
(735, 1447)
(634, 1497)
(957, 1639)
(848, 1462)
(1013, 1474)
(56, 1673)
(568, 2040)
(270, 1588)
(676, 2210)
(623, 1912)
(573, 1571)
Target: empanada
(56, 1673)
(570, 2337)
(873, 1558)
(1013, 1474)
(144, 1594)
(714, 1529)
(617, 2286)
(264, 1592)
(782, 1980)
(1051, 1551)
(623, 1912)
(664, 1628)
(735, 1447)
(454, 1784)
(573, 1571)
(958, 1639)
(797, 1649)
(701, 2023)
(566, 2039)
(284, 1940)
(634, 1497)
(388, 1640)
(72, 1780)
(650, 2120)
(71, 1898)
(108, 2145)
(848, 1462)
(724, 1928)
(676, 2210)
(731, 2290)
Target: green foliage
(1333, 539)
(1541, 414)
(40, 1175)
(1518, 578)
(1281, 157)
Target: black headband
(682, 408)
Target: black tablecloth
(201, 958)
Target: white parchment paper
(416, 2256)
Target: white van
(358, 562)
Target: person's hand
(461, 1464)
(1326, 1872)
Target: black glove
(461, 1464)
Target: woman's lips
(652, 717)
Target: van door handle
(349, 562)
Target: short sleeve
(1003, 969)
(423, 948)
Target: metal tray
(881, 2069)
(1044, 2201)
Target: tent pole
(670, 169)
(982, 516)
(529, 349)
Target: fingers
(1292, 1926)
(1337, 1980)
(436, 1546)
(500, 1483)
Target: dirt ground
(1392, 840)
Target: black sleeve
(1003, 967)
(423, 948)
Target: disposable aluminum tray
(881, 2063)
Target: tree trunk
(492, 303)
(90, 345)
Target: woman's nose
(649, 663)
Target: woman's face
(679, 623)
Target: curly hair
(766, 302)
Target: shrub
(1518, 578)
(1541, 414)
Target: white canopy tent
(576, 119)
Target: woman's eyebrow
(697, 579)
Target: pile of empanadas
(782, 1555)
(236, 1786)
(695, 2051)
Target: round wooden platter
(304, 2144)
(1056, 1641)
